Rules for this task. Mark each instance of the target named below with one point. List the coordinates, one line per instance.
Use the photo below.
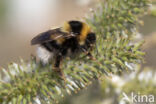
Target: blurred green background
(21, 20)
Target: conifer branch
(115, 24)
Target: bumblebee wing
(49, 35)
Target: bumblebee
(70, 40)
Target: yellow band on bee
(66, 27)
(85, 30)
(58, 38)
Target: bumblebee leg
(91, 56)
(57, 64)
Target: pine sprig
(115, 24)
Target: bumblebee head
(91, 38)
(89, 42)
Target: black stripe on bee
(50, 46)
(76, 26)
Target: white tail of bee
(44, 55)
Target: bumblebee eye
(91, 38)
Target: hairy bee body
(70, 40)
(49, 50)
